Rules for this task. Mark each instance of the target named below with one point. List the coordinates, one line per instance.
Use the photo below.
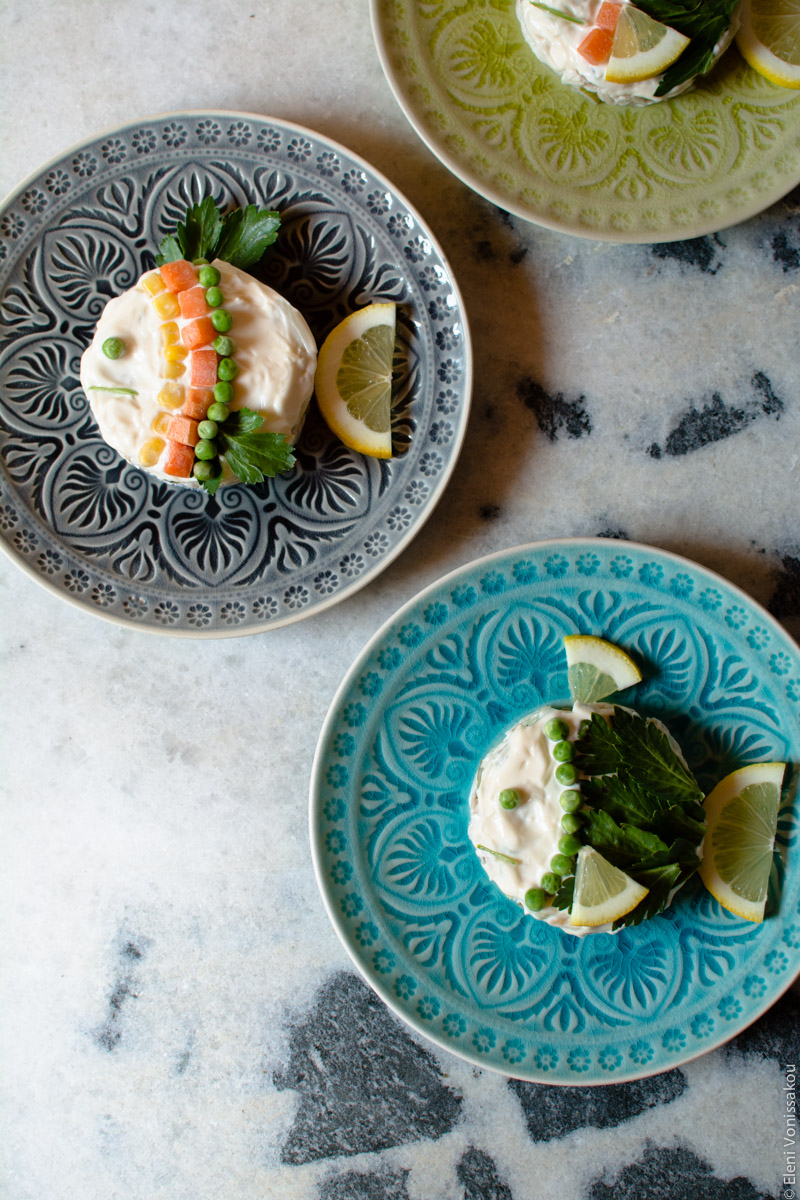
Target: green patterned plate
(507, 127)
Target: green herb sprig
(251, 453)
(703, 21)
(239, 237)
(642, 808)
(557, 12)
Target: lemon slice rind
(628, 64)
(761, 57)
(597, 668)
(716, 804)
(351, 430)
(625, 892)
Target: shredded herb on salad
(642, 808)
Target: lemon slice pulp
(596, 668)
(353, 381)
(769, 39)
(603, 893)
(742, 816)
(642, 47)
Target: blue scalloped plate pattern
(117, 542)
(433, 690)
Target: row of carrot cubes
(175, 291)
(596, 46)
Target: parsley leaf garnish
(252, 454)
(703, 21)
(240, 237)
(642, 807)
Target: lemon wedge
(596, 668)
(769, 39)
(603, 893)
(742, 816)
(642, 47)
(353, 382)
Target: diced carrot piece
(595, 47)
(193, 302)
(198, 333)
(178, 275)
(197, 403)
(179, 460)
(608, 15)
(183, 429)
(203, 364)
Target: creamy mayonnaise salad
(517, 845)
(555, 41)
(275, 355)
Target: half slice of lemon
(642, 47)
(603, 893)
(596, 668)
(742, 816)
(769, 39)
(353, 382)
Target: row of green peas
(207, 465)
(562, 863)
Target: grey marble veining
(178, 1017)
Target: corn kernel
(166, 305)
(173, 370)
(175, 353)
(171, 396)
(169, 333)
(150, 452)
(153, 283)
(161, 423)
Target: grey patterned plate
(431, 693)
(112, 539)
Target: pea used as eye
(509, 798)
(114, 347)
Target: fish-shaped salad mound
(625, 53)
(200, 374)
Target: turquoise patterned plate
(428, 696)
(507, 127)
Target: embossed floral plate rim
(435, 346)
(368, 805)
(523, 182)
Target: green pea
(199, 262)
(223, 393)
(208, 430)
(570, 801)
(571, 822)
(221, 319)
(113, 347)
(569, 844)
(551, 882)
(567, 774)
(509, 798)
(205, 450)
(535, 899)
(218, 412)
(203, 470)
(209, 276)
(214, 297)
(556, 729)
(224, 345)
(561, 864)
(227, 369)
(563, 751)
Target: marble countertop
(179, 1018)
